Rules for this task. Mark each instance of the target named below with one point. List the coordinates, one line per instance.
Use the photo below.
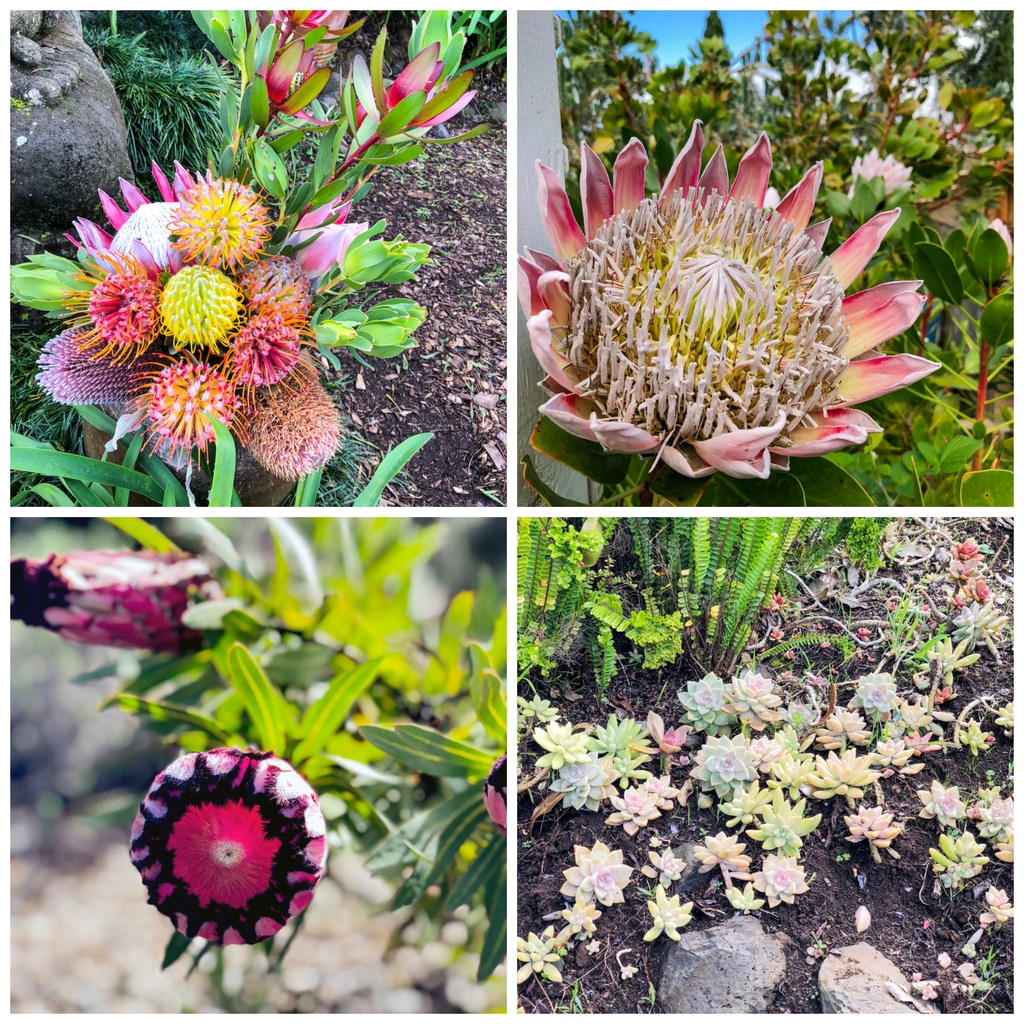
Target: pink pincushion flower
(700, 327)
(495, 795)
(230, 844)
(121, 599)
(890, 170)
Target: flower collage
(683, 397)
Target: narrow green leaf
(491, 859)
(78, 467)
(391, 465)
(428, 751)
(324, 717)
(161, 711)
(397, 119)
(222, 487)
(145, 533)
(263, 701)
(259, 102)
(492, 952)
(307, 489)
(53, 495)
(488, 699)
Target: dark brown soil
(454, 198)
(909, 923)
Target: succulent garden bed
(852, 612)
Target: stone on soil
(852, 980)
(734, 967)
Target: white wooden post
(539, 137)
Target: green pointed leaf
(397, 119)
(145, 533)
(492, 952)
(162, 711)
(176, 946)
(391, 465)
(428, 751)
(938, 271)
(267, 708)
(490, 860)
(259, 102)
(324, 717)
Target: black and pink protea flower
(116, 598)
(703, 328)
(495, 794)
(230, 844)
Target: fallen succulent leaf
(862, 919)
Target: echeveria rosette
(230, 844)
(699, 326)
(116, 598)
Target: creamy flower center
(699, 316)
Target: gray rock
(732, 968)
(67, 135)
(852, 980)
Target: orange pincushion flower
(220, 223)
(266, 349)
(124, 308)
(181, 401)
(277, 281)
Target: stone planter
(256, 487)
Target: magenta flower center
(222, 853)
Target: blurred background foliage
(387, 621)
(934, 91)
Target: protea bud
(230, 844)
(495, 792)
(121, 598)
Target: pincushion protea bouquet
(204, 318)
(283, 690)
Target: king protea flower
(700, 327)
(116, 598)
(894, 174)
(230, 844)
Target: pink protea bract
(230, 844)
(116, 598)
(495, 795)
(702, 328)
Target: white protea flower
(890, 170)
(702, 327)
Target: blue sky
(677, 31)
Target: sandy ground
(85, 941)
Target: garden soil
(454, 198)
(910, 924)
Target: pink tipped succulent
(495, 795)
(699, 326)
(230, 844)
(117, 598)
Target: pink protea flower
(702, 328)
(230, 844)
(890, 170)
(495, 795)
(422, 74)
(1004, 233)
(322, 238)
(120, 599)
